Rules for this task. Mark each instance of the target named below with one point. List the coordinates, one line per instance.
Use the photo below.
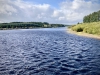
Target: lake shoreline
(83, 34)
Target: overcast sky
(52, 11)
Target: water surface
(48, 51)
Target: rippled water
(48, 52)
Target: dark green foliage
(46, 23)
(57, 25)
(26, 25)
(94, 17)
(79, 29)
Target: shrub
(91, 28)
(79, 29)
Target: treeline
(94, 17)
(27, 25)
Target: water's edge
(83, 34)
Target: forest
(93, 17)
(28, 25)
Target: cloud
(69, 12)
(74, 11)
(18, 10)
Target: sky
(51, 11)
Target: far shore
(25, 28)
(83, 34)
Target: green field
(91, 28)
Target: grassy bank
(90, 28)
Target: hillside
(90, 25)
(91, 28)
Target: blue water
(48, 51)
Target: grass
(91, 28)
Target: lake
(48, 51)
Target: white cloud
(69, 12)
(75, 10)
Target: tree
(94, 17)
